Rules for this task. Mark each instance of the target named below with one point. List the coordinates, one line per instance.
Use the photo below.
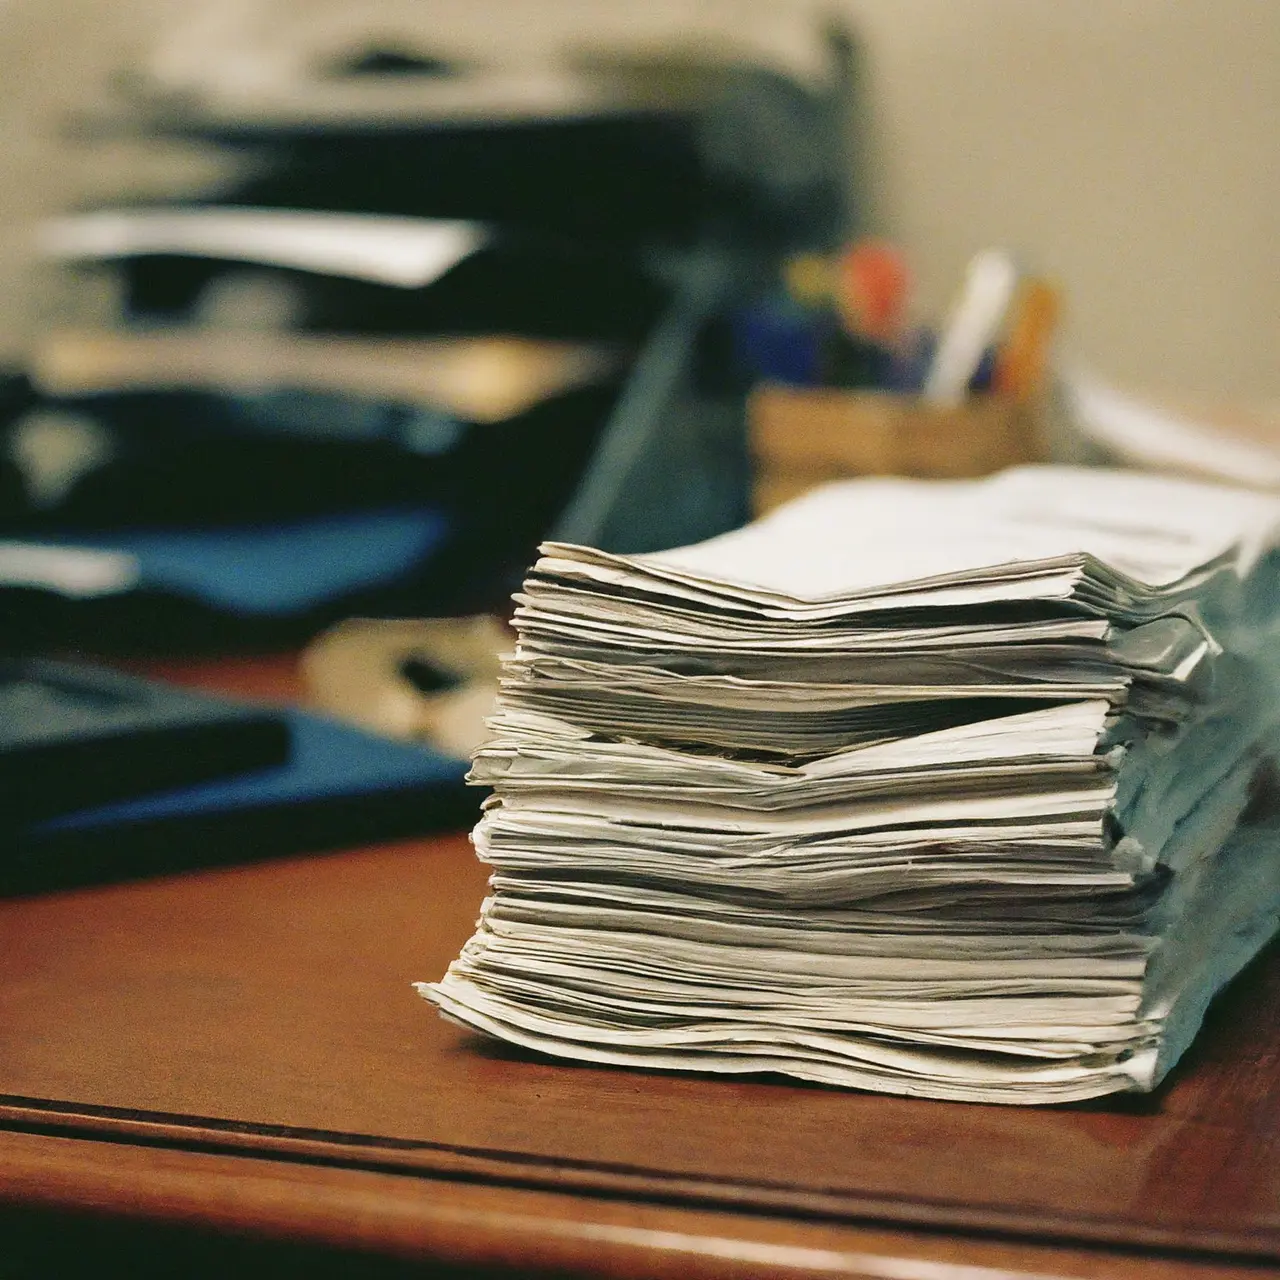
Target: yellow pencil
(1024, 355)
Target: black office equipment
(73, 736)
(339, 786)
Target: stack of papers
(938, 788)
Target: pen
(973, 324)
(871, 291)
(1024, 355)
(808, 280)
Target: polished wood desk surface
(241, 1049)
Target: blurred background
(1130, 146)
(317, 318)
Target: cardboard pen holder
(801, 437)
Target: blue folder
(275, 569)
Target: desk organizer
(800, 437)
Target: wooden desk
(241, 1050)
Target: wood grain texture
(267, 1009)
(800, 437)
(530, 1232)
(272, 678)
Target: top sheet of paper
(865, 534)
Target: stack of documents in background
(949, 789)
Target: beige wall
(1128, 147)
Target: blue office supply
(779, 340)
(74, 736)
(340, 786)
(274, 569)
(982, 375)
(327, 759)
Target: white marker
(973, 324)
